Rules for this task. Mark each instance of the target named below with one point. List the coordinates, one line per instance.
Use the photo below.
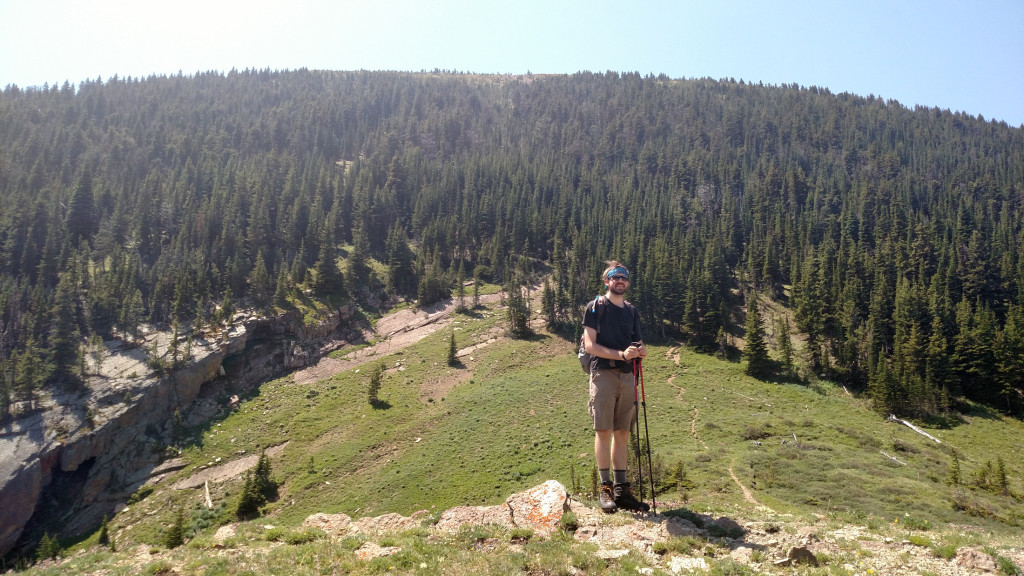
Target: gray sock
(620, 477)
(605, 475)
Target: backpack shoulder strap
(599, 307)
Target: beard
(618, 289)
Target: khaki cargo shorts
(612, 398)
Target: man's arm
(591, 345)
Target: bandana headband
(616, 271)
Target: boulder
(798, 555)
(455, 518)
(975, 560)
(680, 565)
(370, 551)
(540, 508)
(332, 524)
(389, 523)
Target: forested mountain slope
(166, 199)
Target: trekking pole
(647, 433)
(636, 441)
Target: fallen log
(893, 418)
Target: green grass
(516, 415)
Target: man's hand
(635, 350)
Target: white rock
(679, 565)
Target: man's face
(617, 284)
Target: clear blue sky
(961, 55)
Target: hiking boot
(606, 497)
(624, 499)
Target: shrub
(521, 534)
(140, 495)
(944, 551)
(917, 540)
(569, 522)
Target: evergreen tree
(476, 291)
(954, 478)
(48, 549)
(64, 346)
(1009, 353)
(460, 287)
(548, 305)
(517, 312)
(785, 344)
(756, 349)
(250, 500)
(104, 536)
(81, 221)
(260, 283)
(376, 381)
(227, 308)
(281, 289)
(262, 481)
(327, 279)
(174, 536)
(358, 273)
(5, 394)
(453, 360)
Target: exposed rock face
(109, 431)
(540, 509)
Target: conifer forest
(893, 235)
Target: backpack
(598, 305)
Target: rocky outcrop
(109, 436)
(539, 509)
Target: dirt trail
(395, 332)
(747, 494)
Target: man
(612, 335)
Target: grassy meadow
(513, 414)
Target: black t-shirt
(619, 328)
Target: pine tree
(64, 346)
(81, 219)
(452, 358)
(250, 500)
(476, 290)
(281, 289)
(756, 350)
(260, 283)
(785, 344)
(357, 275)
(48, 549)
(376, 381)
(175, 535)
(548, 305)
(227, 308)
(1001, 484)
(518, 314)
(327, 279)
(262, 481)
(5, 395)
(460, 287)
(1009, 352)
(104, 537)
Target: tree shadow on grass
(380, 404)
